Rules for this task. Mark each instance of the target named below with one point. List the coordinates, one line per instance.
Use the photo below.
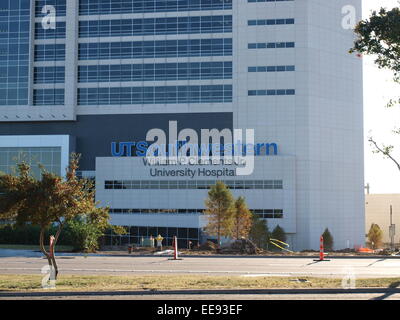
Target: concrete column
(31, 53)
(71, 55)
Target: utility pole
(367, 187)
(392, 230)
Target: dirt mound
(241, 246)
(208, 246)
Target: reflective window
(268, 213)
(49, 52)
(155, 26)
(59, 5)
(271, 69)
(271, 45)
(137, 234)
(155, 72)
(49, 157)
(57, 33)
(44, 97)
(262, 213)
(155, 95)
(272, 92)
(155, 49)
(193, 184)
(49, 75)
(14, 51)
(269, 22)
(90, 7)
(157, 211)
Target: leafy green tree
(279, 234)
(375, 236)
(219, 210)
(328, 240)
(49, 201)
(259, 232)
(242, 219)
(86, 229)
(379, 35)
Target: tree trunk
(42, 248)
(53, 256)
(47, 255)
(53, 259)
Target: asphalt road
(353, 296)
(245, 266)
(214, 294)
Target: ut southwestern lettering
(140, 149)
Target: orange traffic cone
(175, 245)
(321, 250)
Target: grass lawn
(154, 282)
(33, 247)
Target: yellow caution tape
(272, 241)
(280, 242)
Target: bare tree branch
(385, 151)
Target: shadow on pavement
(392, 286)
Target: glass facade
(155, 72)
(49, 157)
(91, 7)
(271, 68)
(270, 22)
(135, 234)
(155, 49)
(268, 213)
(157, 211)
(59, 5)
(262, 213)
(191, 184)
(57, 33)
(271, 45)
(48, 97)
(14, 51)
(50, 52)
(272, 92)
(155, 95)
(49, 75)
(155, 26)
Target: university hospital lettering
(201, 172)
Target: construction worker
(159, 241)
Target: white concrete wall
(322, 125)
(266, 168)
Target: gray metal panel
(94, 133)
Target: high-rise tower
(107, 71)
